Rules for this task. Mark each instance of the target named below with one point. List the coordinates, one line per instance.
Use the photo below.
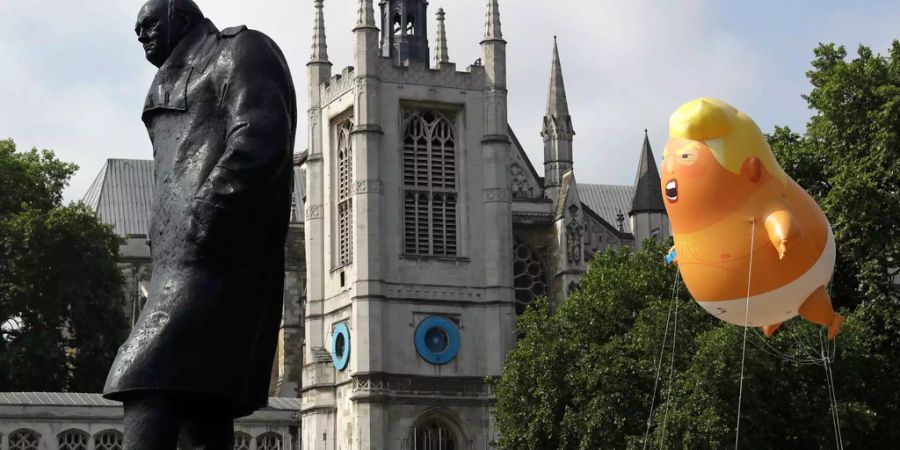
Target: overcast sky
(73, 77)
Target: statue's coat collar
(192, 54)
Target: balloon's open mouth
(672, 191)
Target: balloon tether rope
(737, 428)
(661, 353)
(662, 436)
(832, 398)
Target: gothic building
(427, 230)
(420, 231)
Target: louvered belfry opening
(344, 193)
(430, 202)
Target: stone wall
(287, 370)
(70, 421)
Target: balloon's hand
(783, 249)
(671, 257)
(783, 231)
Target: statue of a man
(221, 114)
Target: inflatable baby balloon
(723, 191)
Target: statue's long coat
(221, 114)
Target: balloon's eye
(687, 156)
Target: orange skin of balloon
(713, 216)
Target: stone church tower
(408, 222)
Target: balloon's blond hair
(732, 135)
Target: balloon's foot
(835, 326)
(769, 330)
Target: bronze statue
(221, 114)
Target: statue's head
(161, 24)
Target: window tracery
(529, 276)
(73, 440)
(242, 441)
(344, 190)
(432, 434)
(430, 199)
(24, 439)
(109, 440)
(269, 441)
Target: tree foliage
(60, 289)
(583, 375)
(849, 160)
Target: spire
(557, 121)
(557, 105)
(647, 195)
(441, 54)
(492, 24)
(365, 15)
(319, 48)
(557, 131)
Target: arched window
(344, 188)
(529, 276)
(73, 440)
(269, 441)
(109, 440)
(435, 431)
(242, 441)
(395, 24)
(24, 439)
(410, 26)
(430, 185)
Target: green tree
(849, 160)
(60, 289)
(583, 376)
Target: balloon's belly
(780, 304)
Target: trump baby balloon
(753, 247)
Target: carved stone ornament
(337, 89)
(375, 383)
(369, 187)
(519, 181)
(574, 232)
(367, 83)
(497, 195)
(314, 212)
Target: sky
(73, 77)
